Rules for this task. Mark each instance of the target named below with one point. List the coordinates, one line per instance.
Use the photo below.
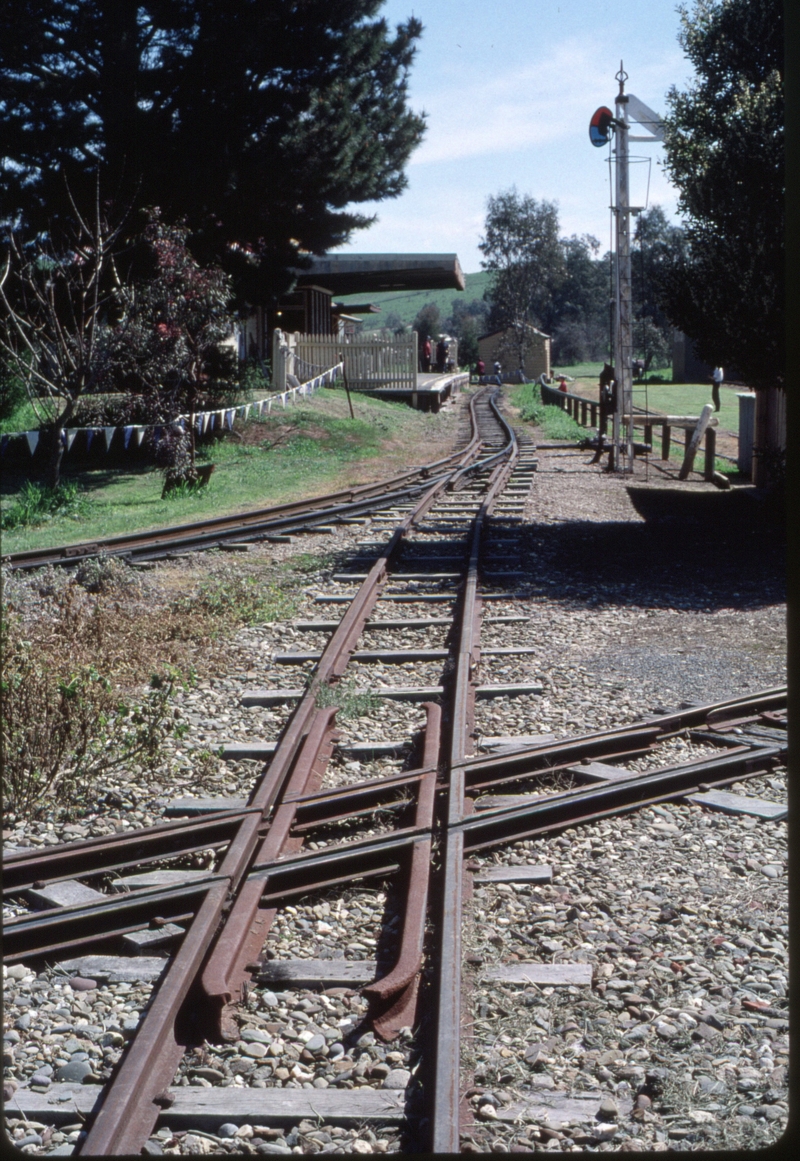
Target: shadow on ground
(701, 550)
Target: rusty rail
(434, 825)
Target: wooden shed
(501, 346)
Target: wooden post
(346, 388)
(593, 413)
(648, 433)
(583, 412)
(693, 441)
(665, 433)
(711, 450)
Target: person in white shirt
(718, 377)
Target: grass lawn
(666, 398)
(307, 450)
(22, 418)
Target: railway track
(311, 831)
(262, 524)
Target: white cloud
(541, 104)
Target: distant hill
(408, 303)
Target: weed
(100, 574)
(205, 764)
(306, 562)
(185, 490)
(245, 599)
(352, 702)
(64, 724)
(36, 504)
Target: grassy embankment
(407, 304)
(308, 449)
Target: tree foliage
(541, 279)
(54, 307)
(165, 344)
(523, 252)
(260, 122)
(467, 322)
(578, 315)
(725, 153)
(658, 246)
(428, 323)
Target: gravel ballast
(635, 605)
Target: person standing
(498, 373)
(441, 356)
(426, 355)
(480, 370)
(719, 379)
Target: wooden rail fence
(581, 409)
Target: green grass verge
(22, 418)
(554, 422)
(306, 450)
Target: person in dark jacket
(441, 356)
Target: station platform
(430, 392)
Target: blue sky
(509, 87)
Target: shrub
(554, 422)
(37, 504)
(64, 725)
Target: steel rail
(81, 925)
(104, 855)
(129, 1109)
(556, 811)
(264, 864)
(447, 1092)
(207, 533)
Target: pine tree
(259, 122)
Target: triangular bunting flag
(89, 436)
(71, 432)
(108, 432)
(212, 419)
(33, 439)
(269, 406)
(127, 432)
(198, 424)
(139, 435)
(206, 420)
(230, 415)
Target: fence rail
(581, 409)
(369, 363)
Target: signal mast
(628, 109)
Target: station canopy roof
(369, 273)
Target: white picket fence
(369, 362)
